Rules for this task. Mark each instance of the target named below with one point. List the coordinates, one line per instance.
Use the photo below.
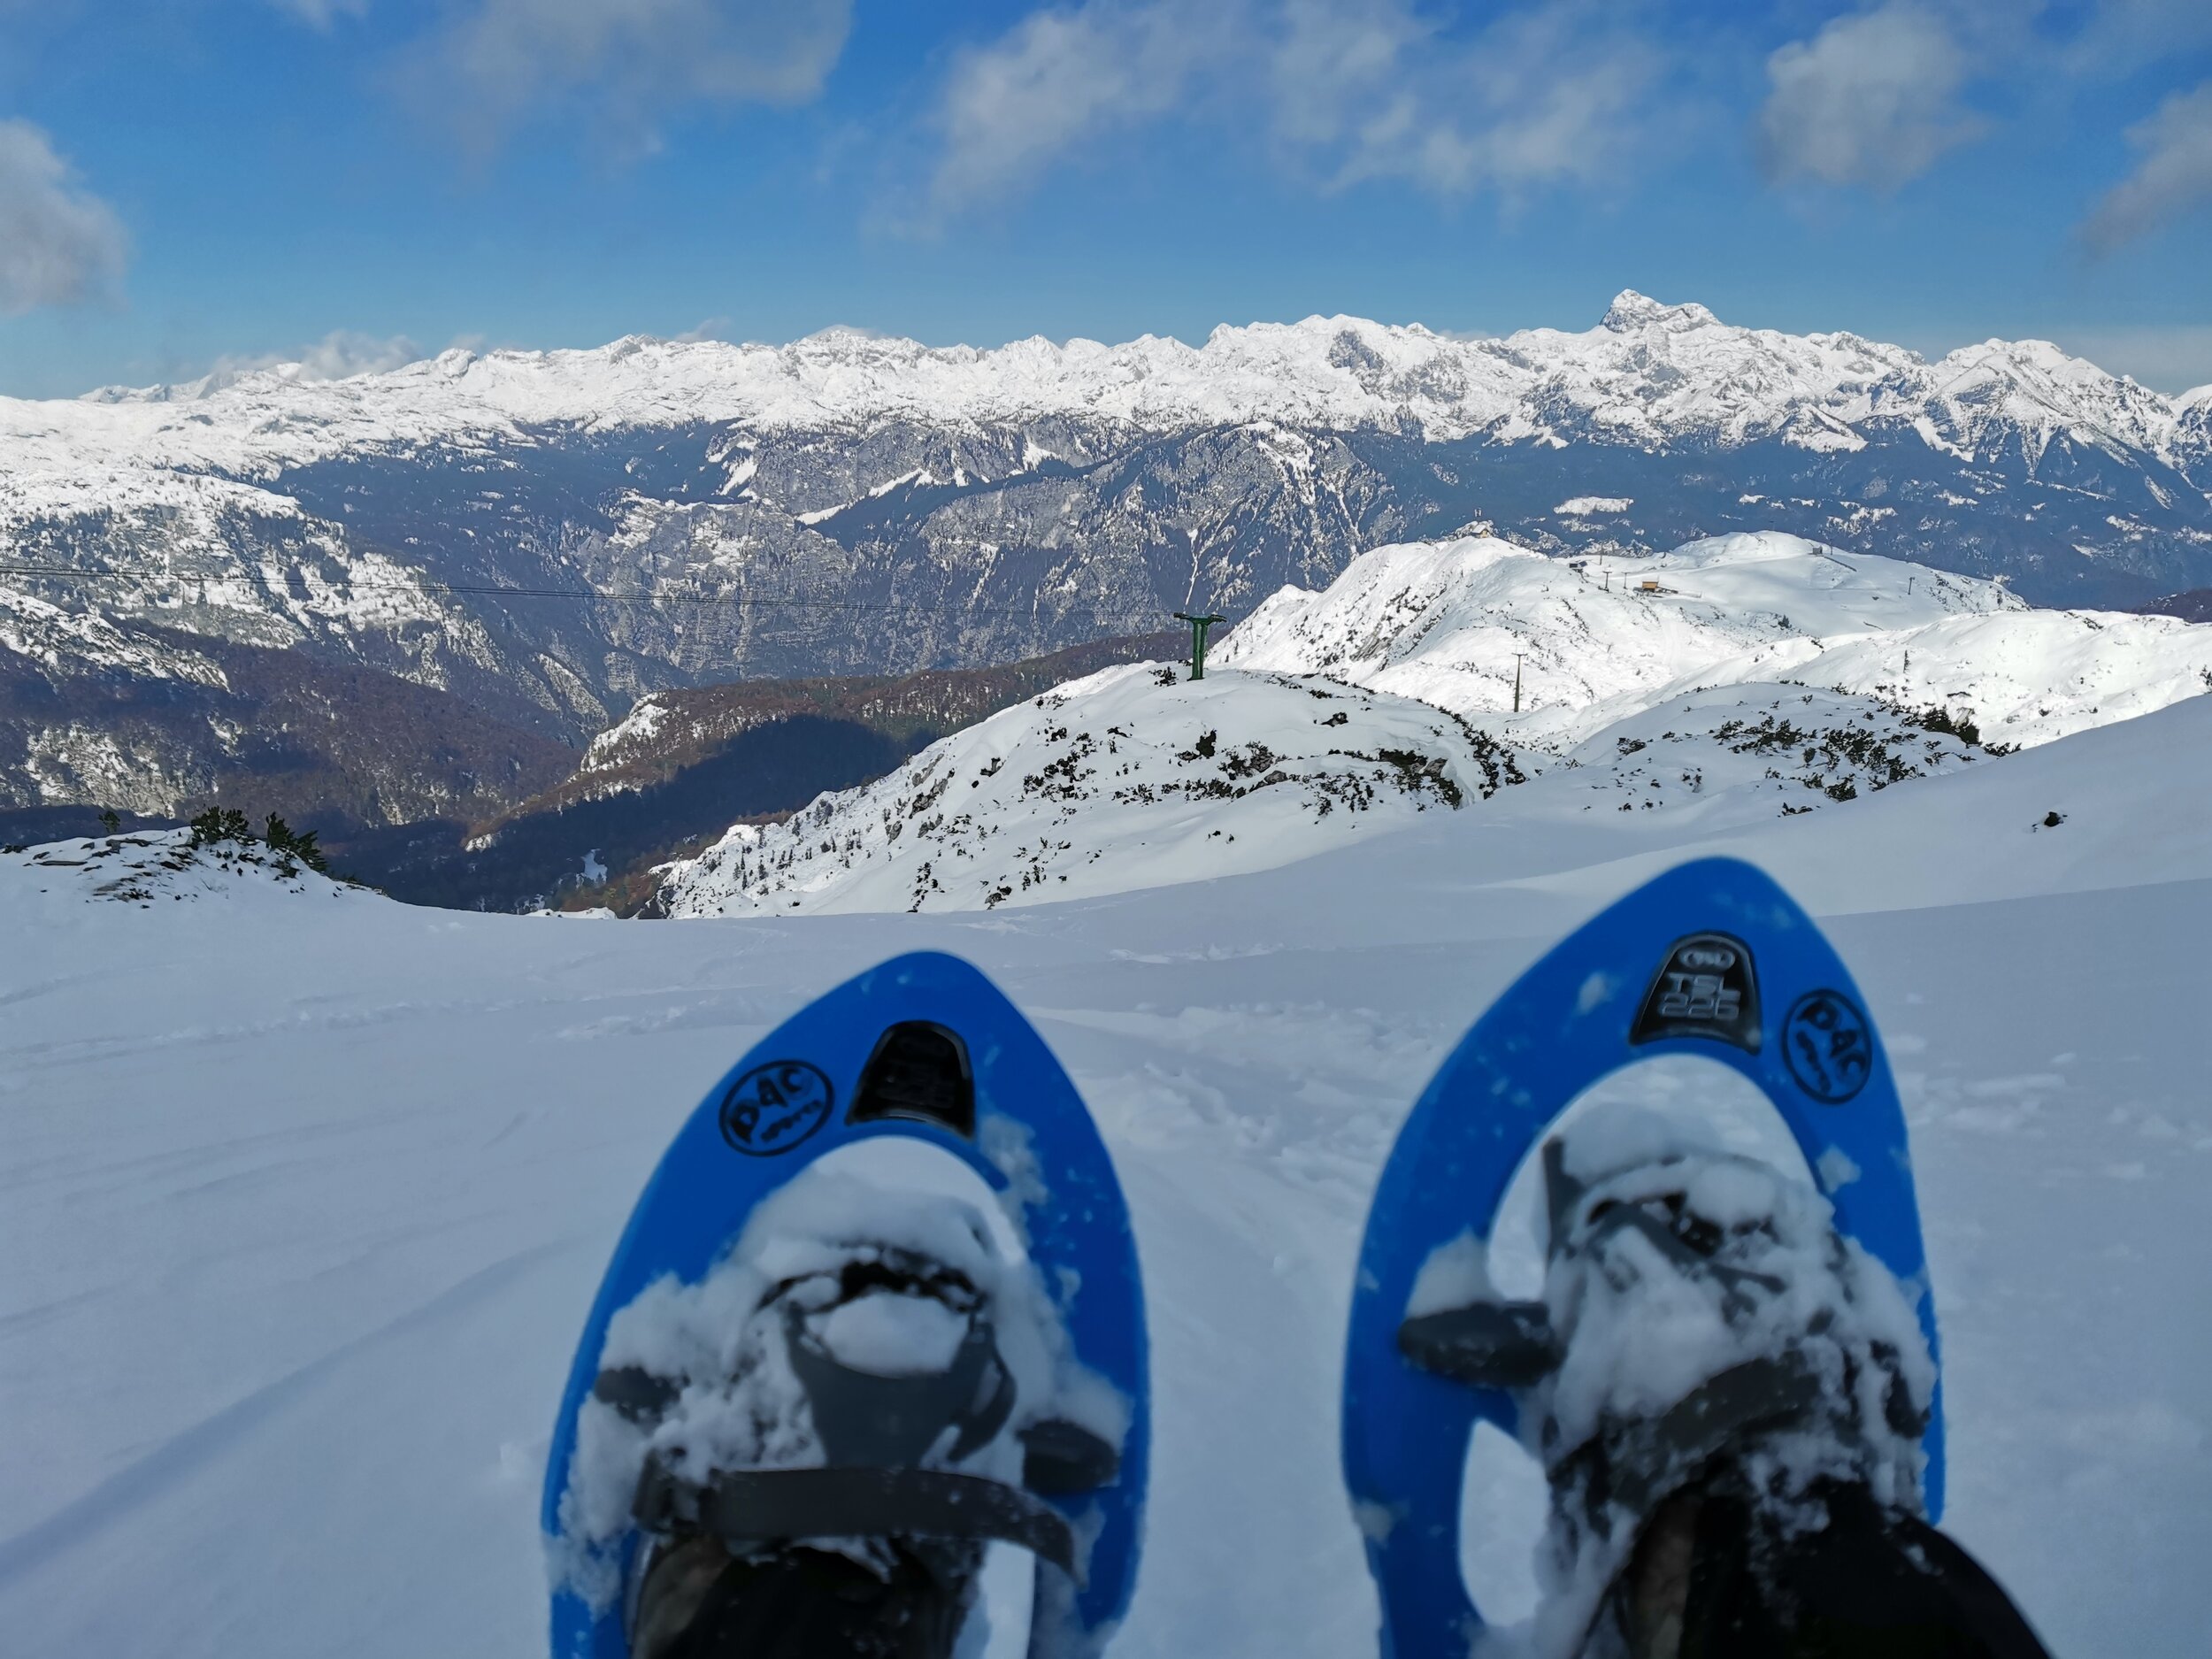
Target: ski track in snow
(304, 1202)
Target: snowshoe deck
(924, 1047)
(1711, 959)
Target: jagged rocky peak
(1632, 312)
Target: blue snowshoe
(806, 1400)
(1731, 1380)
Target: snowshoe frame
(1711, 958)
(791, 1100)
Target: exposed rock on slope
(1739, 753)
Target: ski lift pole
(1198, 627)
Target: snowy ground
(1760, 675)
(1592, 640)
(301, 1202)
(1132, 777)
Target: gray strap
(1491, 1344)
(635, 1392)
(760, 1505)
(864, 1418)
(1059, 1458)
(1646, 1459)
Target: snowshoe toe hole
(919, 1071)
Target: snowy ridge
(1133, 777)
(634, 734)
(1600, 638)
(1741, 753)
(1139, 777)
(164, 865)
(1648, 373)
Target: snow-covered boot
(826, 1432)
(1727, 1396)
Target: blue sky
(187, 184)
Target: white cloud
(621, 64)
(2174, 174)
(58, 245)
(1544, 96)
(338, 354)
(1061, 78)
(2118, 37)
(322, 14)
(1871, 99)
(1345, 90)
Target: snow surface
(1132, 777)
(1710, 693)
(306, 1201)
(1602, 638)
(147, 868)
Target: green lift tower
(1198, 627)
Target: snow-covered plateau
(305, 1199)
(1472, 624)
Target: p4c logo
(1829, 1045)
(774, 1107)
(1705, 987)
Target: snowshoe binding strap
(1490, 1344)
(1636, 1464)
(865, 1418)
(761, 1506)
(635, 1392)
(1060, 1457)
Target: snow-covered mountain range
(1648, 374)
(492, 524)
